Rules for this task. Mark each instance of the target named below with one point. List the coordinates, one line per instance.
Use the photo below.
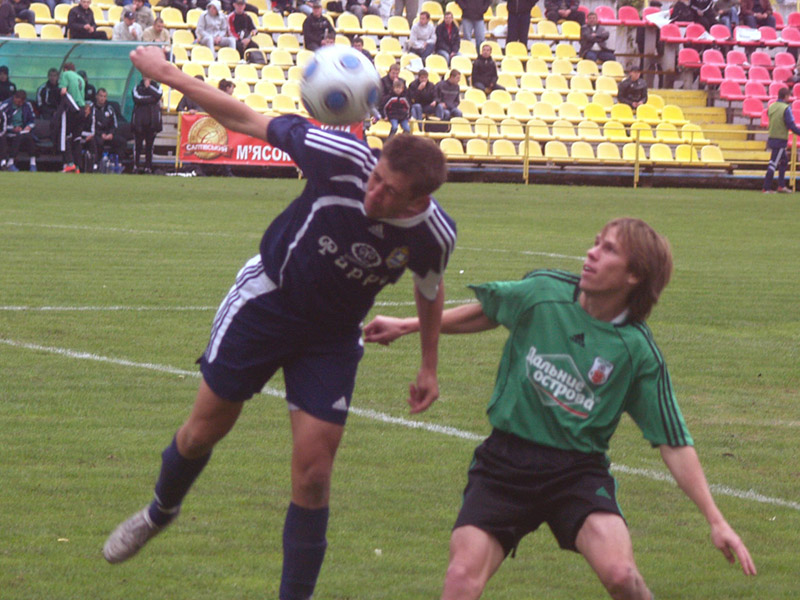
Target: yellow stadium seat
(437, 64)
(581, 83)
(172, 99)
(581, 151)
(685, 153)
(398, 26)
(463, 65)
(182, 37)
(673, 114)
(542, 51)
(451, 148)
(173, 18)
(537, 67)
(192, 16)
(511, 129)
(518, 110)
(603, 99)
(595, 112)
(661, 153)
(569, 112)
(475, 95)
(531, 150)
(606, 151)
(517, 50)
(570, 30)
(587, 68)
(383, 61)
(504, 149)
(589, 131)
(273, 73)
(61, 13)
(556, 150)
(614, 131)
(291, 89)
(605, 84)
(294, 73)
(497, 51)
(273, 22)
(348, 24)
(693, 134)
(667, 133)
(373, 25)
(240, 90)
(648, 114)
(568, 52)
(283, 104)
(551, 97)
(247, 73)
(493, 110)
(455, 9)
(655, 100)
(373, 141)
(266, 89)
(561, 66)
(564, 130)
(460, 128)
(228, 56)
(512, 65)
(390, 45)
(611, 68)
(303, 57)
(469, 109)
(52, 31)
(42, 13)
(486, 128)
(526, 97)
(506, 80)
(193, 69)
(467, 49)
(477, 148)
(629, 153)
(544, 111)
(257, 102)
(538, 130)
(219, 71)
(556, 83)
(289, 41)
(294, 22)
(202, 55)
(547, 30)
(622, 113)
(502, 97)
(579, 99)
(25, 31)
(281, 57)
(643, 131)
(711, 154)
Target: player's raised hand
(151, 62)
(424, 392)
(725, 538)
(385, 330)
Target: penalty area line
(722, 490)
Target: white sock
(33, 161)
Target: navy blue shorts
(254, 335)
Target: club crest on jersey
(600, 371)
(365, 255)
(397, 258)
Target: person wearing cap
(633, 89)
(127, 30)
(212, 28)
(81, 24)
(23, 12)
(315, 27)
(142, 13)
(242, 27)
(7, 88)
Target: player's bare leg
(474, 557)
(605, 542)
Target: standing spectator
(7, 88)
(146, 121)
(781, 121)
(20, 119)
(633, 89)
(422, 96)
(228, 6)
(127, 30)
(472, 25)
(81, 24)
(563, 10)
(242, 27)
(756, 13)
(315, 27)
(89, 91)
(727, 12)
(23, 12)
(107, 135)
(519, 20)
(7, 21)
(142, 12)
(593, 41)
(411, 7)
(70, 111)
(360, 8)
(448, 96)
(703, 12)
(48, 96)
(158, 33)
(448, 39)
(358, 44)
(397, 109)
(484, 71)
(422, 38)
(387, 84)
(212, 28)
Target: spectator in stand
(158, 33)
(81, 24)
(188, 105)
(397, 109)
(242, 28)
(146, 121)
(448, 97)
(448, 39)
(633, 89)
(7, 88)
(182, 5)
(422, 38)
(563, 10)
(519, 20)
(358, 44)
(90, 92)
(593, 41)
(70, 115)
(48, 96)
(387, 84)
(472, 25)
(329, 39)
(315, 27)
(127, 30)
(756, 13)
(704, 12)
(7, 21)
(20, 119)
(143, 15)
(484, 71)
(422, 96)
(411, 8)
(212, 28)
(23, 12)
(681, 12)
(360, 8)
(781, 121)
(727, 12)
(229, 5)
(107, 135)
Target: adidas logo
(578, 339)
(340, 404)
(376, 230)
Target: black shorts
(515, 485)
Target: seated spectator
(23, 12)
(7, 88)
(448, 39)
(8, 19)
(756, 13)
(329, 39)
(681, 12)
(472, 25)
(20, 119)
(226, 86)
(89, 91)
(727, 12)
(387, 84)
(422, 39)
(484, 71)
(563, 10)
(397, 109)
(108, 139)
(422, 96)
(448, 97)
(633, 89)
(593, 41)
(212, 28)
(48, 96)
(315, 27)
(358, 44)
(242, 28)
(143, 15)
(158, 33)
(229, 5)
(703, 12)
(146, 121)
(360, 8)
(81, 24)
(182, 5)
(127, 30)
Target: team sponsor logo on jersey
(397, 258)
(558, 382)
(600, 371)
(365, 255)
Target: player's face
(605, 270)
(388, 194)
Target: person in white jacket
(422, 38)
(212, 28)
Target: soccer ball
(339, 85)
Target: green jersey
(565, 378)
(75, 86)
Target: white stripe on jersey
(343, 148)
(356, 181)
(321, 136)
(322, 202)
(443, 234)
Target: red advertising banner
(203, 140)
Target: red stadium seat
(752, 108)
(796, 90)
(793, 20)
(756, 89)
(606, 15)
(769, 37)
(711, 75)
(782, 74)
(759, 74)
(649, 10)
(791, 36)
(697, 34)
(760, 58)
(712, 56)
(671, 34)
(796, 110)
(737, 57)
(721, 34)
(774, 87)
(628, 15)
(735, 73)
(785, 59)
(779, 24)
(688, 58)
(731, 91)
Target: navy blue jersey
(327, 258)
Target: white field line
(722, 490)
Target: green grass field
(131, 271)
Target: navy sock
(176, 477)
(304, 546)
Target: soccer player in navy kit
(298, 305)
(578, 355)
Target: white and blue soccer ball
(339, 85)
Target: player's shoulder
(338, 143)
(639, 338)
(561, 284)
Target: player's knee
(194, 442)
(313, 483)
(622, 580)
(462, 581)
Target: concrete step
(741, 146)
(724, 132)
(683, 98)
(705, 115)
(740, 155)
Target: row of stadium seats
(691, 59)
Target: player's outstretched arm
(425, 390)
(227, 110)
(467, 318)
(683, 463)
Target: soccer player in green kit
(579, 354)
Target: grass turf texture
(81, 439)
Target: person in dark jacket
(20, 120)
(681, 12)
(704, 12)
(593, 41)
(472, 25)
(48, 96)
(448, 39)
(182, 5)
(7, 19)
(448, 97)
(107, 135)
(563, 10)
(90, 92)
(519, 20)
(633, 89)
(315, 27)
(146, 121)
(7, 88)
(484, 71)
(242, 27)
(756, 13)
(397, 109)
(422, 96)
(23, 12)
(387, 84)
(81, 24)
